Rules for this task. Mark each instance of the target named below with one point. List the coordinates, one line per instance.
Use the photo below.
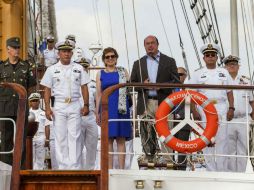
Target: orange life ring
(164, 132)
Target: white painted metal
(175, 180)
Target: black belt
(153, 97)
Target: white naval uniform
(50, 57)
(217, 76)
(54, 164)
(90, 131)
(237, 132)
(39, 139)
(65, 82)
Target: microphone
(174, 76)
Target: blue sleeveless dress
(115, 128)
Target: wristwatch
(231, 108)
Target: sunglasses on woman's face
(110, 56)
(181, 74)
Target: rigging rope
(181, 42)
(245, 37)
(163, 25)
(250, 31)
(190, 32)
(139, 63)
(250, 21)
(34, 47)
(31, 27)
(125, 36)
(97, 20)
(110, 23)
(212, 23)
(217, 26)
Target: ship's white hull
(180, 180)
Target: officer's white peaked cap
(83, 61)
(210, 47)
(231, 58)
(71, 37)
(67, 44)
(50, 38)
(34, 96)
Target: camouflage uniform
(19, 73)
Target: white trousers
(38, 153)
(128, 156)
(218, 163)
(98, 152)
(237, 145)
(54, 164)
(90, 141)
(68, 140)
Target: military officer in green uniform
(13, 70)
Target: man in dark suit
(154, 67)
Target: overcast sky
(77, 17)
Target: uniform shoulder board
(30, 63)
(245, 77)
(199, 69)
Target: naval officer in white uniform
(89, 125)
(41, 137)
(237, 132)
(50, 55)
(211, 74)
(66, 81)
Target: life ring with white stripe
(164, 132)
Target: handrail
(15, 176)
(104, 120)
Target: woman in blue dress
(118, 103)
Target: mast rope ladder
(190, 32)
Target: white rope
(97, 20)
(163, 25)
(137, 43)
(110, 23)
(245, 37)
(125, 37)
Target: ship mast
(234, 28)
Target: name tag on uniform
(222, 75)
(76, 71)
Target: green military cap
(13, 42)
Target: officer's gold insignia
(67, 42)
(209, 46)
